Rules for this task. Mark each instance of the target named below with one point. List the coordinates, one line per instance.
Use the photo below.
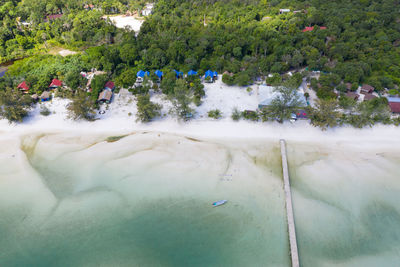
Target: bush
(147, 110)
(250, 115)
(236, 114)
(216, 114)
(44, 111)
(228, 79)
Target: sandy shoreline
(300, 131)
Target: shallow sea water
(144, 200)
(346, 203)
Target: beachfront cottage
(192, 73)
(23, 87)
(394, 104)
(105, 96)
(179, 74)
(159, 74)
(210, 76)
(367, 89)
(109, 86)
(55, 84)
(45, 96)
(267, 93)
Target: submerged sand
(144, 197)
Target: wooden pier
(289, 208)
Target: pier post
(289, 207)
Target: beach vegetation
(81, 107)
(147, 110)
(325, 114)
(236, 114)
(15, 106)
(215, 114)
(284, 104)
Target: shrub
(216, 114)
(45, 111)
(228, 79)
(236, 114)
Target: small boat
(219, 203)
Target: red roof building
(23, 86)
(394, 104)
(367, 89)
(55, 83)
(110, 85)
(308, 29)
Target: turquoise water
(142, 201)
(346, 203)
(145, 200)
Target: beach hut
(209, 76)
(45, 96)
(105, 96)
(109, 86)
(159, 74)
(23, 87)
(178, 74)
(140, 76)
(142, 73)
(55, 84)
(192, 73)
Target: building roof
(23, 86)
(178, 73)
(159, 73)
(348, 86)
(209, 73)
(105, 95)
(142, 73)
(192, 72)
(394, 104)
(109, 85)
(369, 97)
(267, 93)
(367, 88)
(55, 83)
(45, 95)
(352, 95)
(308, 29)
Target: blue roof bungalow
(159, 74)
(142, 73)
(178, 74)
(210, 76)
(140, 76)
(192, 73)
(215, 75)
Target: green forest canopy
(360, 43)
